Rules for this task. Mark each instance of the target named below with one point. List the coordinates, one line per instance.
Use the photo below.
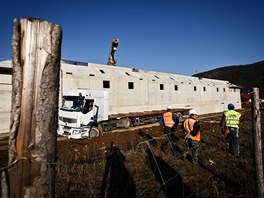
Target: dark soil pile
(3, 153)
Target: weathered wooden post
(36, 47)
(256, 129)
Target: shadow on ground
(120, 181)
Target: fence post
(256, 129)
(36, 50)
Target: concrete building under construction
(132, 90)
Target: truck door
(88, 112)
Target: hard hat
(169, 107)
(192, 112)
(230, 106)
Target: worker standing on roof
(229, 127)
(170, 121)
(78, 102)
(193, 136)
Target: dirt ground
(142, 163)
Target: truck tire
(101, 129)
(127, 123)
(123, 123)
(94, 132)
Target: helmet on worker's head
(169, 107)
(230, 106)
(192, 112)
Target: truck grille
(68, 120)
(66, 129)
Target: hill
(247, 76)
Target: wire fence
(157, 164)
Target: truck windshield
(77, 103)
(72, 103)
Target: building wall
(5, 99)
(152, 90)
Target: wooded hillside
(247, 76)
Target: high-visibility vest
(168, 121)
(232, 118)
(189, 125)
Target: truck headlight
(74, 132)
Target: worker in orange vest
(169, 120)
(193, 136)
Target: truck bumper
(73, 133)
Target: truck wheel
(127, 123)
(94, 132)
(101, 129)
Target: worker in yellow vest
(229, 127)
(170, 121)
(192, 133)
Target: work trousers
(232, 140)
(194, 147)
(170, 132)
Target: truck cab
(80, 112)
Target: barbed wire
(80, 161)
(161, 137)
(13, 163)
(138, 145)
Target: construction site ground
(140, 162)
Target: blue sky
(174, 36)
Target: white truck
(84, 113)
(81, 111)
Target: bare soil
(142, 163)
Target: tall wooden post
(36, 47)
(256, 129)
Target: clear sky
(174, 36)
